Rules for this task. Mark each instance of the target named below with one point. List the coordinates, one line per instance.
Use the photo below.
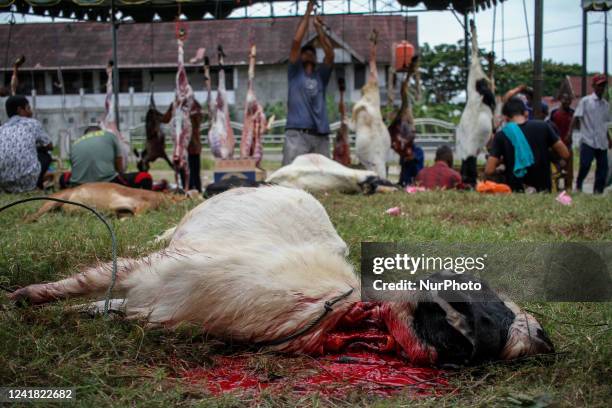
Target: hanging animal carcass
(372, 141)
(476, 123)
(155, 145)
(402, 129)
(290, 288)
(342, 149)
(255, 123)
(221, 135)
(109, 121)
(181, 113)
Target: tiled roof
(88, 45)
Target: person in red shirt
(562, 119)
(441, 175)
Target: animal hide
(109, 121)
(255, 123)
(342, 149)
(476, 123)
(155, 145)
(221, 135)
(291, 262)
(372, 141)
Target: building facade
(76, 54)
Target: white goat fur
(315, 172)
(372, 139)
(476, 123)
(248, 265)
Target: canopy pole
(537, 60)
(115, 66)
(466, 49)
(584, 52)
(606, 43)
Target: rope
(327, 307)
(494, 23)
(8, 41)
(527, 28)
(101, 218)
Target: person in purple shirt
(307, 129)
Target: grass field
(117, 363)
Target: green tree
(444, 76)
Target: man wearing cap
(591, 117)
(307, 129)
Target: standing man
(307, 129)
(20, 138)
(591, 117)
(562, 119)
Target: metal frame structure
(593, 6)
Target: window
(360, 76)
(129, 79)
(229, 78)
(88, 84)
(39, 83)
(72, 82)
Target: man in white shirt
(592, 116)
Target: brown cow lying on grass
(110, 197)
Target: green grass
(118, 363)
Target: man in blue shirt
(307, 129)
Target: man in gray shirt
(307, 129)
(592, 116)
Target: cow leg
(92, 281)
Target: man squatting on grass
(307, 129)
(523, 146)
(96, 157)
(24, 147)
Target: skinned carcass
(372, 141)
(181, 112)
(290, 288)
(255, 123)
(342, 149)
(109, 121)
(221, 135)
(315, 172)
(402, 129)
(476, 123)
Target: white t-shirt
(594, 114)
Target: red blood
(361, 354)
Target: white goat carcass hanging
(476, 123)
(372, 142)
